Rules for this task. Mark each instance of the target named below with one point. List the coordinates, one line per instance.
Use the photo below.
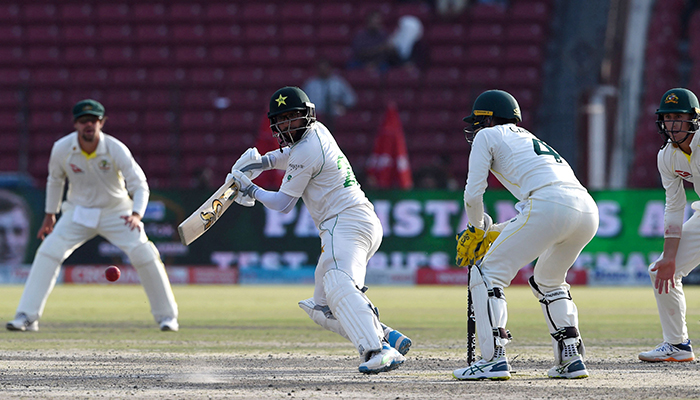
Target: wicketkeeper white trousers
(671, 305)
(553, 226)
(69, 235)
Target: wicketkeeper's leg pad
(357, 316)
(146, 260)
(491, 312)
(323, 316)
(561, 315)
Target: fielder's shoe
(669, 352)
(169, 325)
(21, 323)
(397, 340)
(572, 368)
(381, 361)
(497, 369)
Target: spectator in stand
(406, 39)
(450, 8)
(371, 47)
(330, 92)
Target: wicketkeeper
(557, 218)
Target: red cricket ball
(112, 273)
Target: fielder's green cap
(88, 107)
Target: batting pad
(491, 313)
(323, 316)
(146, 260)
(355, 314)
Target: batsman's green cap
(88, 107)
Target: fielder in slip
(318, 172)
(677, 121)
(557, 218)
(99, 169)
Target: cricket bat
(208, 213)
(471, 326)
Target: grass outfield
(251, 319)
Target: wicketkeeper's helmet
(491, 104)
(678, 101)
(292, 101)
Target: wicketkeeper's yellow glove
(472, 245)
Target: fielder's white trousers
(671, 305)
(348, 241)
(69, 235)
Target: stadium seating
(171, 73)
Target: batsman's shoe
(669, 352)
(21, 323)
(572, 368)
(386, 359)
(497, 369)
(397, 340)
(169, 325)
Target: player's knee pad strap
(490, 310)
(356, 315)
(323, 316)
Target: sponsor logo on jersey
(76, 169)
(104, 165)
(295, 166)
(684, 174)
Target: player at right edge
(677, 120)
(556, 219)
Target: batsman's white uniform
(556, 219)
(674, 167)
(319, 173)
(97, 197)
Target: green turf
(261, 318)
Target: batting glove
(250, 162)
(245, 186)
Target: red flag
(266, 142)
(388, 166)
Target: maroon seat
(126, 99)
(450, 55)
(44, 55)
(403, 77)
(446, 33)
(189, 34)
(337, 12)
(295, 13)
(10, 13)
(39, 12)
(525, 33)
(186, 12)
(129, 76)
(191, 55)
(260, 12)
(12, 56)
(261, 33)
(223, 12)
(79, 34)
(12, 34)
(159, 99)
(298, 34)
(530, 11)
(80, 55)
(484, 33)
(148, 12)
(443, 76)
(226, 34)
(152, 34)
(487, 12)
(299, 56)
(154, 55)
(524, 54)
(44, 34)
(111, 12)
(264, 55)
(118, 55)
(115, 33)
(334, 34)
(245, 77)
